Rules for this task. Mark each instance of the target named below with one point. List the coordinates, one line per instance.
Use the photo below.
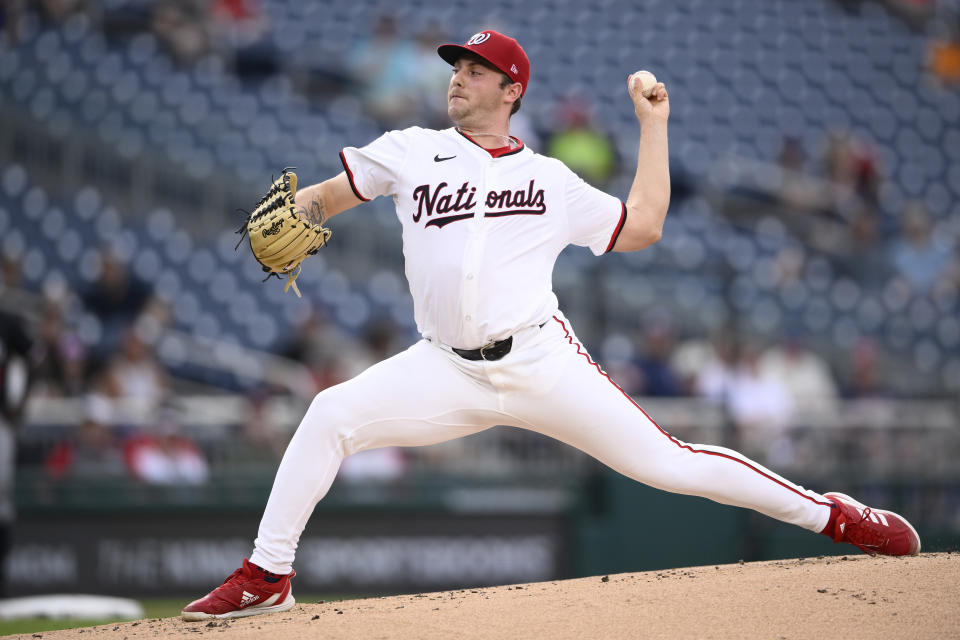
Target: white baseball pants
(547, 383)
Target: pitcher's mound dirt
(852, 596)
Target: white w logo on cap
(478, 38)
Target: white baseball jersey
(480, 236)
(480, 233)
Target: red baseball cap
(503, 52)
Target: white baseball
(647, 82)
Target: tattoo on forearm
(314, 212)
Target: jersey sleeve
(373, 169)
(595, 218)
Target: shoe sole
(196, 616)
(861, 506)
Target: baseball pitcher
(484, 219)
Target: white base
(75, 606)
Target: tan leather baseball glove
(279, 238)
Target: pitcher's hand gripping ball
(647, 81)
(279, 238)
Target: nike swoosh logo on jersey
(437, 158)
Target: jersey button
(468, 318)
(469, 276)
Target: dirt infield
(850, 596)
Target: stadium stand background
(802, 306)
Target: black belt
(492, 351)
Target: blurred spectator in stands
(181, 28)
(618, 353)
(383, 464)
(851, 165)
(862, 374)
(333, 355)
(792, 156)
(802, 193)
(92, 450)
(839, 158)
(788, 265)
(385, 65)
(166, 456)
(382, 339)
(580, 144)
(242, 33)
(715, 372)
(944, 52)
(656, 375)
(10, 14)
(60, 356)
(949, 283)
(797, 191)
(156, 317)
(237, 23)
(759, 405)
(15, 296)
(919, 257)
(11, 273)
(260, 438)
(753, 398)
(59, 10)
(432, 78)
(915, 13)
(116, 298)
(864, 258)
(693, 355)
(15, 377)
(135, 372)
(804, 374)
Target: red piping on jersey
(353, 186)
(616, 232)
(672, 439)
(499, 152)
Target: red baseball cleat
(247, 592)
(873, 530)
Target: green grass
(153, 608)
(33, 625)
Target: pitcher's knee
(328, 422)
